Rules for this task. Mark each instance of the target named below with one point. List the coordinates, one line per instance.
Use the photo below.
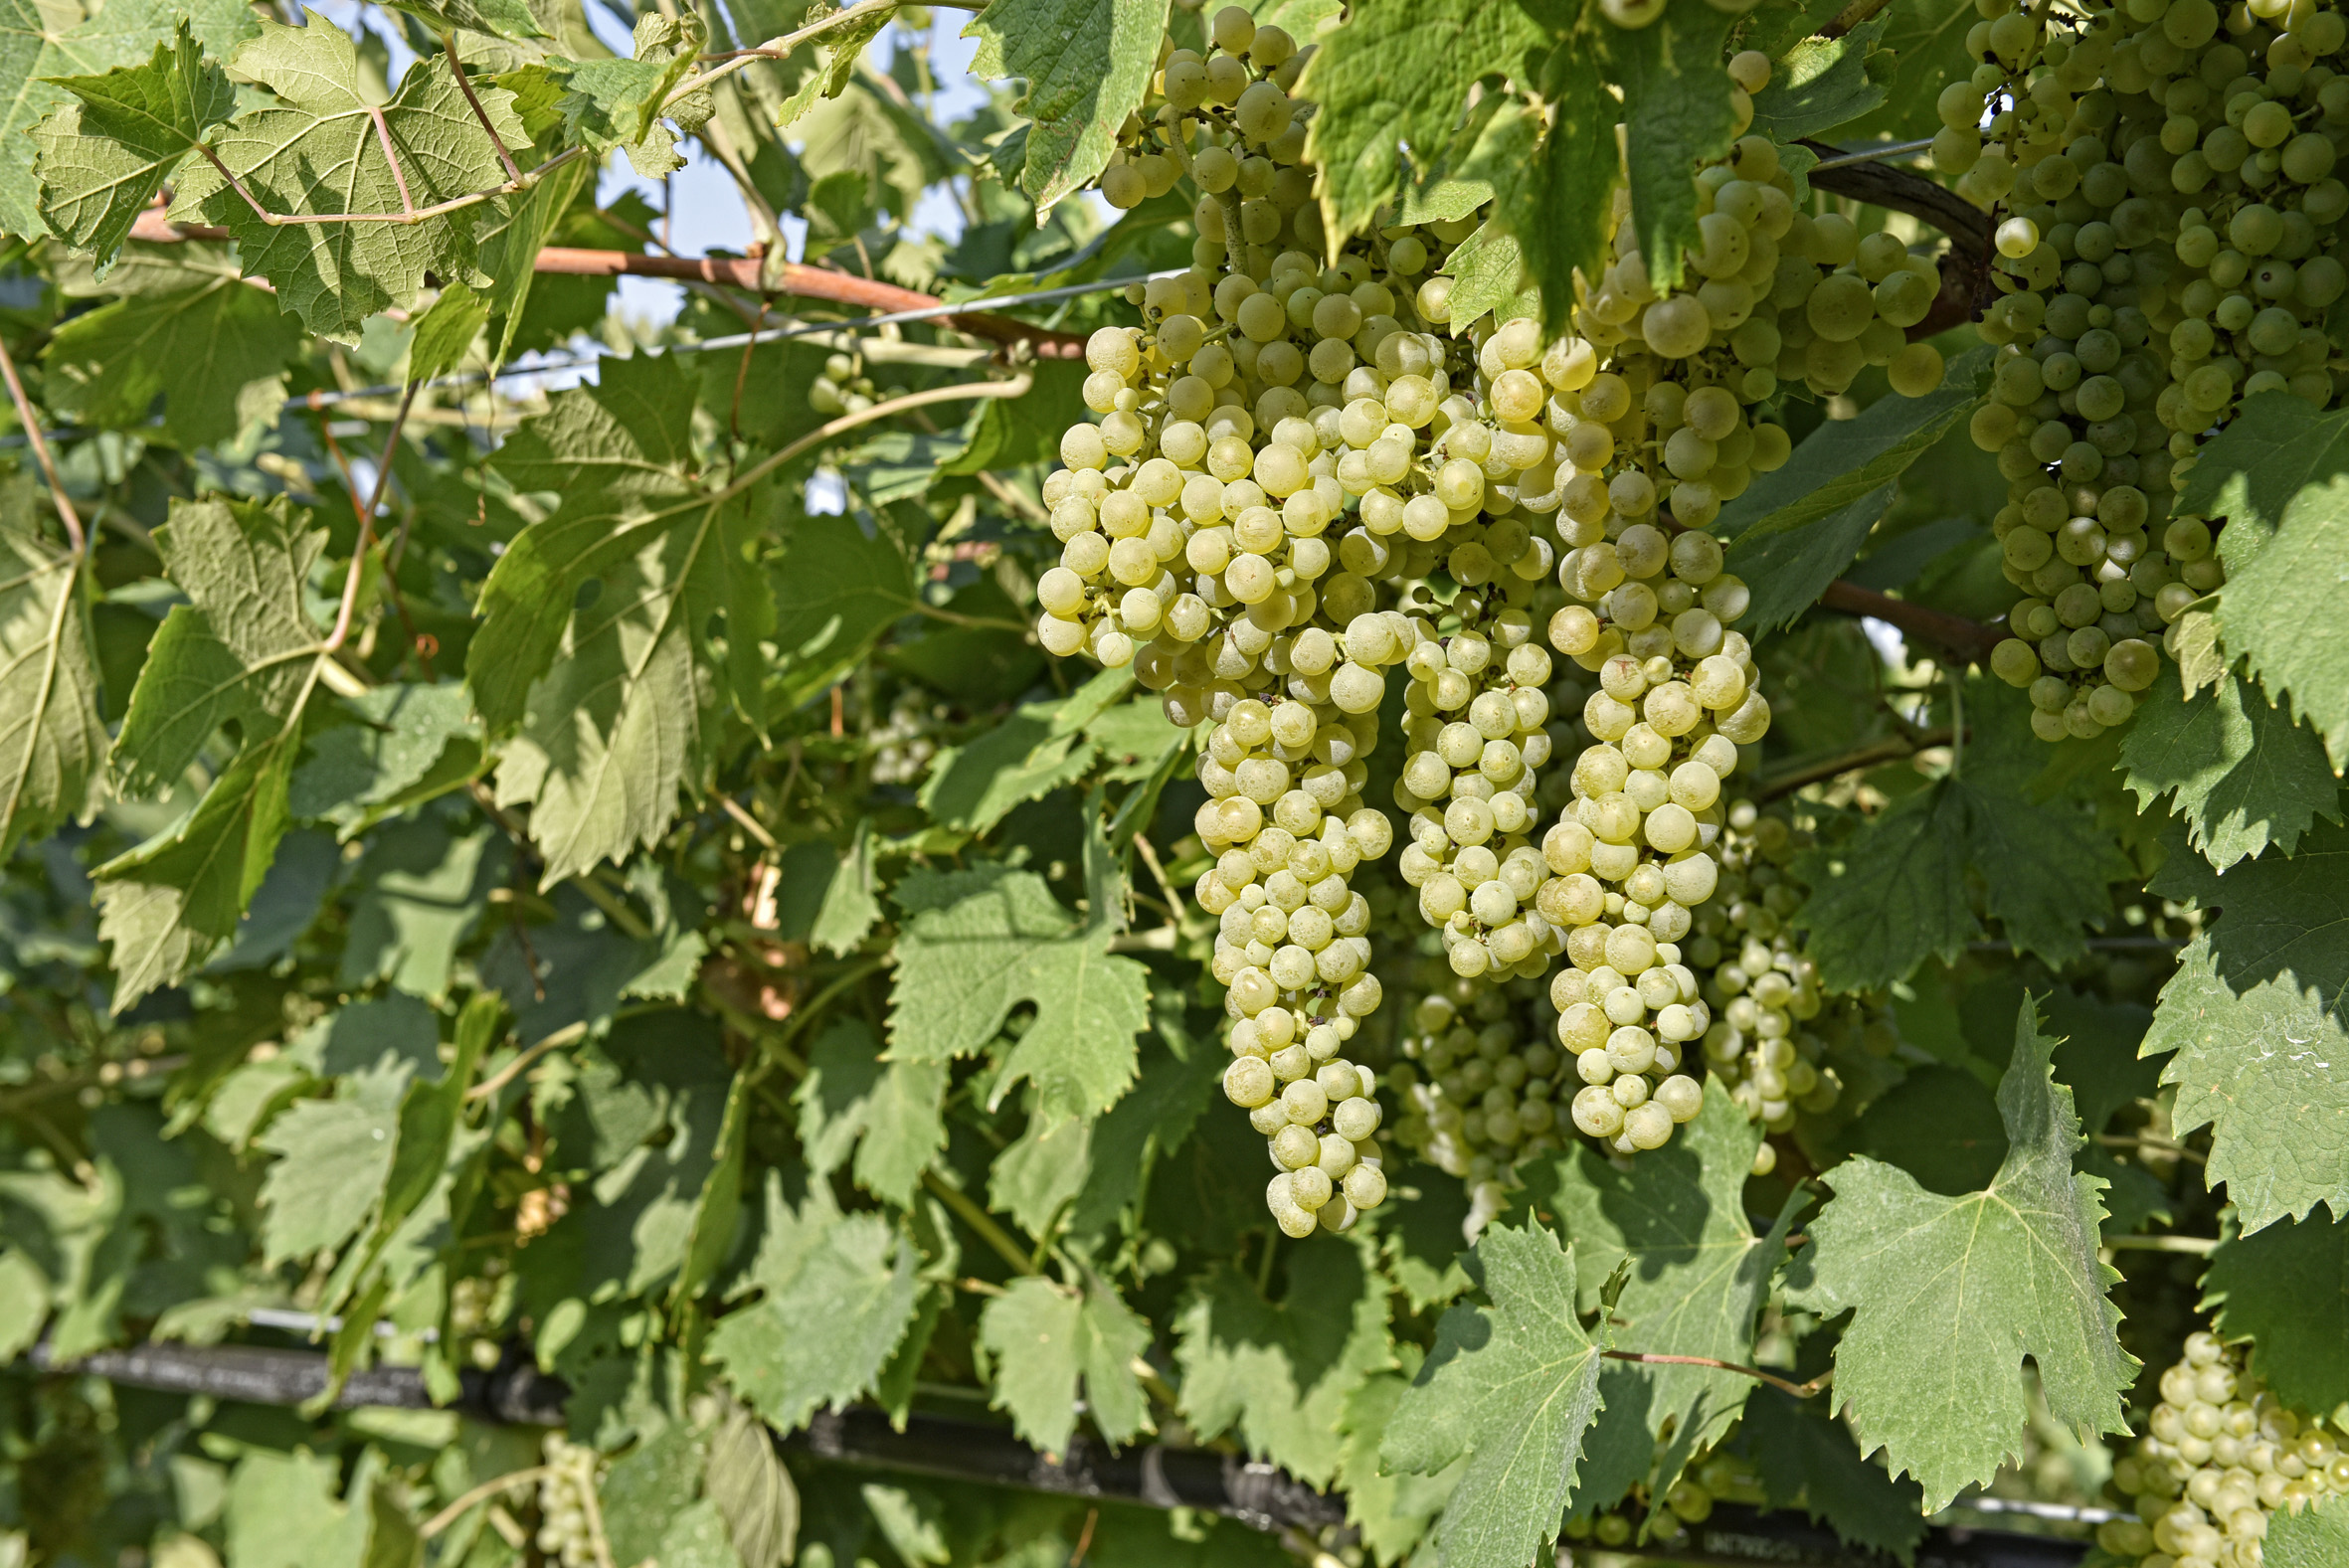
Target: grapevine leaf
(1551, 192)
(1392, 1512)
(616, 105)
(1371, 115)
(1806, 1456)
(2244, 775)
(1513, 1388)
(1796, 529)
(2282, 1288)
(1950, 1295)
(422, 892)
(242, 651)
(333, 1158)
(1086, 62)
(402, 734)
(1281, 1373)
(2255, 1017)
(1891, 896)
(891, 1113)
(843, 589)
(757, 1501)
(974, 945)
(1047, 1341)
(1896, 892)
(2275, 611)
(323, 153)
(504, 18)
(1676, 115)
(1488, 269)
(2314, 1537)
(974, 786)
(35, 51)
(719, 1205)
(639, 1492)
(444, 334)
(2274, 449)
(510, 240)
(53, 741)
(215, 349)
(1698, 1272)
(834, 1307)
(105, 157)
(1820, 83)
(617, 698)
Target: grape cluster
(1291, 947)
(1478, 1085)
(2171, 247)
(1769, 1042)
(843, 387)
(1714, 1478)
(2220, 1457)
(567, 1504)
(904, 744)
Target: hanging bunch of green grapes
(2221, 1456)
(1714, 1476)
(2170, 217)
(567, 1509)
(1478, 1084)
(1773, 1026)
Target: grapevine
(1404, 783)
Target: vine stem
(569, 1034)
(1888, 750)
(480, 1494)
(2198, 1246)
(1013, 388)
(40, 445)
(383, 484)
(982, 1223)
(1653, 1358)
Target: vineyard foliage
(1471, 643)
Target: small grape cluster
(903, 744)
(1478, 1085)
(567, 1504)
(843, 387)
(1772, 1024)
(1716, 1478)
(2220, 1457)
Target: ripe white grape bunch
(2221, 1456)
(566, 1503)
(1772, 1023)
(2169, 251)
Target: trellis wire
(516, 1393)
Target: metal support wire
(516, 1393)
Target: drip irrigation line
(516, 1393)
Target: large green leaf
(891, 1113)
(1897, 892)
(1677, 114)
(1282, 1372)
(1949, 1294)
(53, 743)
(974, 945)
(41, 42)
(325, 153)
(2282, 1289)
(193, 332)
(1822, 82)
(1698, 1273)
(104, 158)
(1370, 114)
(2259, 1016)
(2244, 775)
(2249, 473)
(243, 651)
(1807, 1457)
(1047, 1341)
(2277, 612)
(1086, 62)
(840, 1292)
(617, 686)
(1795, 530)
(1512, 1388)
